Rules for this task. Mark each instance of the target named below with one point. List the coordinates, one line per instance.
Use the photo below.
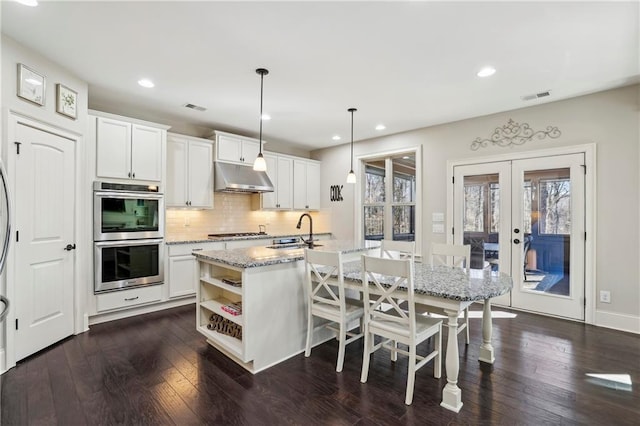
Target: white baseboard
(111, 316)
(622, 322)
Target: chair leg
(466, 321)
(437, 361)
(342, 336)
(394, 354)
(366, 356)
(307, 351)
(411, 375)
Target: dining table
(452, 290)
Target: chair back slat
(323, 272)
(451, 254)
(398, 249)
(382, 277)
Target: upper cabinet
(189, 172)
(306, 184)
(236, 149)
(128, 150)
(280, 171)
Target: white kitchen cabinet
(306, 185)
(189, 172)
(128, 298)
(280, 171)
(127, 150)
(236, 149)
(182, 267)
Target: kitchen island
(252, 302)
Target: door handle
(516, 230)
(516, 241)
(70, 247)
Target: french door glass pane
(547, 238)
(481, 219)
(373, 222)
(404, 223)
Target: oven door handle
(136, 195)
(128, 242)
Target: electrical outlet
(605, 296)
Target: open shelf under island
(252, 303)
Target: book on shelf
(234, 281)
(233, 308)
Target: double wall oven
(128, 236)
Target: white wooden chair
(452, 255)
(396, 324)
(398, 249)
(326, 299)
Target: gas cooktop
(236, 234)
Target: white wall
(609, 119)
(13, 53)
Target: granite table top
(253, 257)
(206, 239)
(448, 282)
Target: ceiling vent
(535, 95)
(196, 107)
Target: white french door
(526, 217)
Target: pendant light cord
(262, 72)
(261, 88)
(352, 110)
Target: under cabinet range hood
(238, 178)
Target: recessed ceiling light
(336, 138)
(32, 3)
(381, 127)
(145, 82)
(266, 117)
(486, 72)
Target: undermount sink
(291, 246)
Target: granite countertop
(205, 239)
(252, 257)
(449, 282)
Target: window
(391, 217)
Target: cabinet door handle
(129, 174)
(197, 249)
(134, 175)
(131, 298)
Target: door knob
(70, 247)
(516, 241)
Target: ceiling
(406, 65)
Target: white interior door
(526, 218)
(45, 206)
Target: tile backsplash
(233, 213)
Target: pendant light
(261, 165)
(351, 177)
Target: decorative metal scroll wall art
(514, 133)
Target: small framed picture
(31, 85)
(66, 101)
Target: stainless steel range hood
(238, 178)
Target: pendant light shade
(261, 165)
(351, 177)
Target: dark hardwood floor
(156, 370)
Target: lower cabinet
(182, 267)
(128, 298)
